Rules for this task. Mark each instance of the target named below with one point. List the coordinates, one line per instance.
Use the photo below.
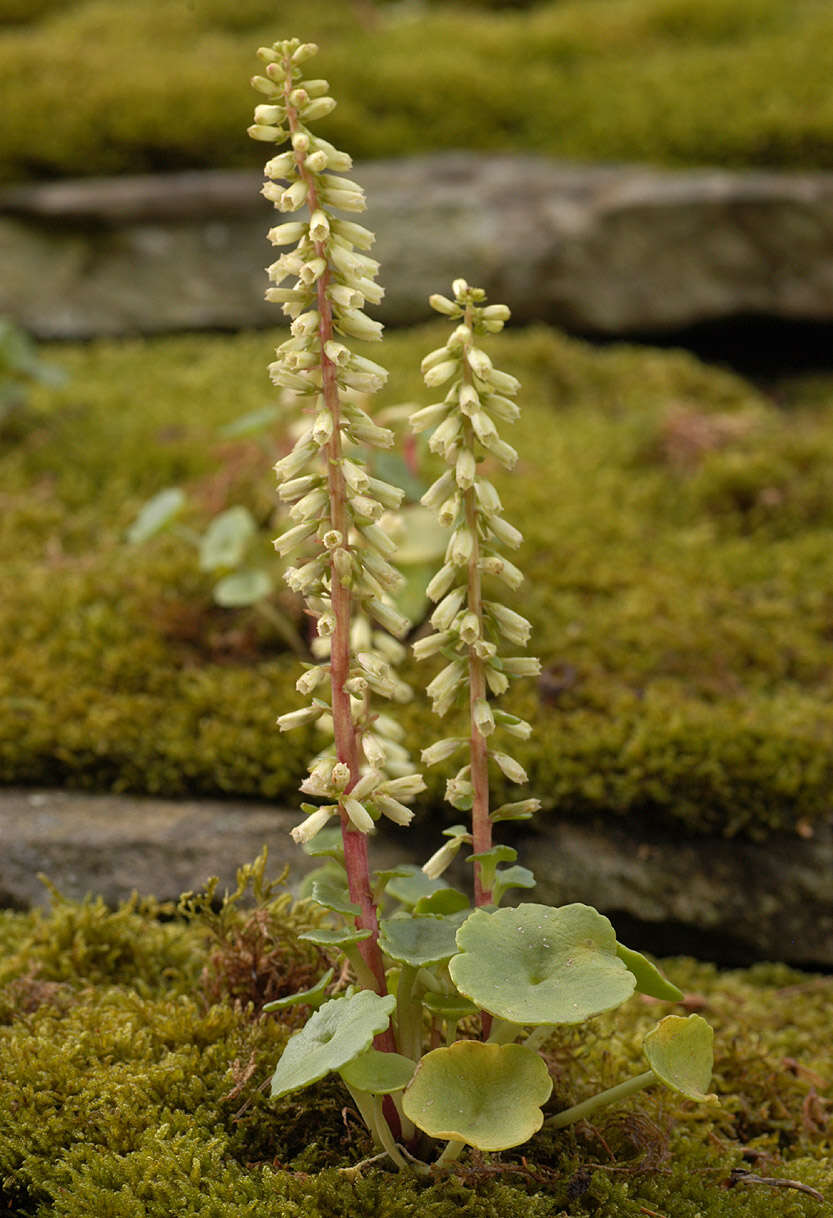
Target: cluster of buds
(338, 539)
(472, 632)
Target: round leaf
(420, 940)
(448, 1006)
(649, 980)
(378, 1073)
(242, 588)
(488, 1096)
(679, 1051)
(329, 892)
(340, 1030)
(225, 540)
(539, 965)
(156, 513)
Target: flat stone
(594, 249)
(730, 901)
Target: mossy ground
(675, 82)
(136, 1062)
(677, 549)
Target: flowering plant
(437, 1039)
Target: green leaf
(410, 884)
(420, 940)
(312, 997)
(488, 1096)
(242, 588)
(443, 901)
(425, 539)
(329, 892)
(448, 1006)
(327, 843)
(378, 1073)
(339, 1031)
(326, 937)
(679, 1051)
(156, 513)
(225, 540)
(649, 980)
(255, 420)
(511, 877)
(538, 965)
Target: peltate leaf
(649, 980)
(420, 940)
(339, 1031)
(323, 936)
(156, 513)
(224, 542)
(329, 892)
(538, 965)
(679, 1051)
(242, 588)
(511, 877)
(378, 1073)
(488, 1096)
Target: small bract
(488, 1096)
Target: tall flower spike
(341, 553)
(472, 631)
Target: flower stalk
(470, 630)
(335, 510)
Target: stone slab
(604, 250)
(730, 901)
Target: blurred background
(646, 183)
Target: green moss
(677, 551)
(122, 1103)
(672, 81)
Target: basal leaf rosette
(565, 966)
(339, 1031)
(679, 1051)
(488, 1096)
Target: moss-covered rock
(677, 547)
(125, 1100)
(675, 82)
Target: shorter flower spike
(469, 630)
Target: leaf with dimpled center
(338, 1032)
(488, 1096)
(538, 965)
(679, 1051)
(420, 940)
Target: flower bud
(510, 624)
(441, 304)
(522, 810)
(511, 768)
(298, 718)
(309, 680)
(441, 750)
(438, 491)
(358, 814)
(393, 810)
(483, 718)
(307, 829)
(505, 532)
(320, 107)
(440, 373)
(304, 52)
(465, 469)
(287, 234)
(448, 608)
(441, 582)
(442, 859)
(522, 666)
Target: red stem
(481, 825)
(346, 739)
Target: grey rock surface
(594, 249)
(732, 901)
